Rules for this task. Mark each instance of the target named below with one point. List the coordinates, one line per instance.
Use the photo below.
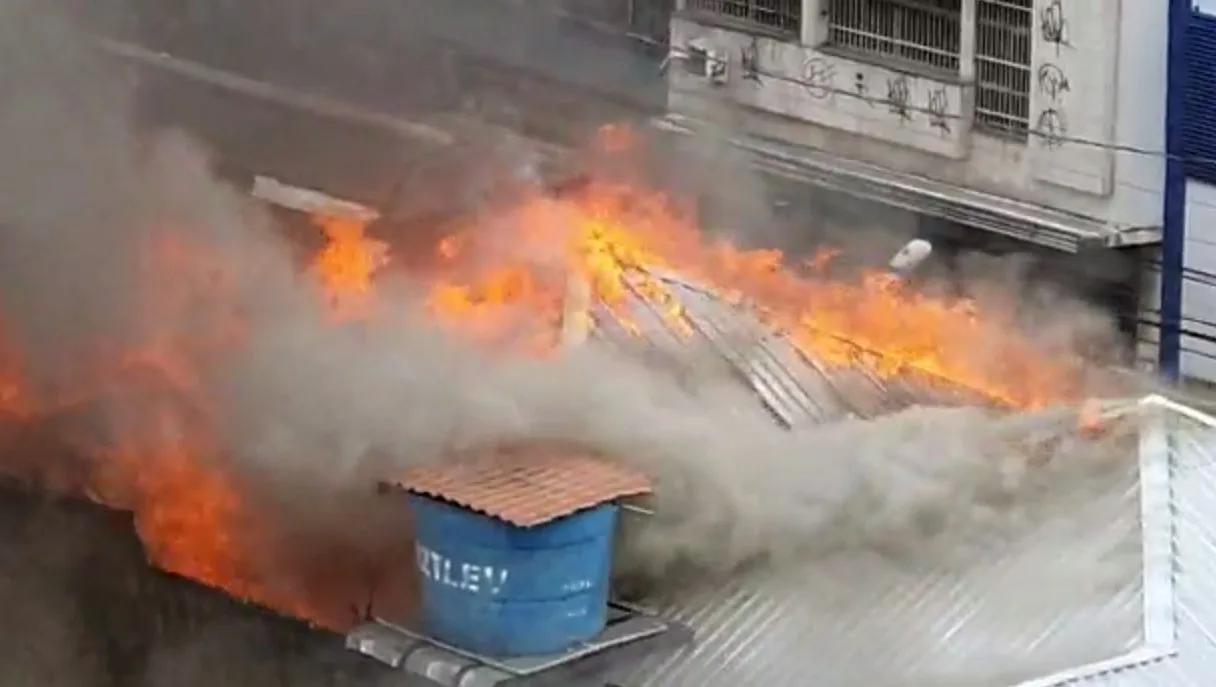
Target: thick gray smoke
(310, 414)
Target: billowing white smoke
(311, 414)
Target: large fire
(508, 278)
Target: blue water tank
(497, 589)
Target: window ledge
(894, 64)
(1021, 140)
(750, 28)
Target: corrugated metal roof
(1066, 585)
(526, 485)
(795, 388)
(862, 618)
(1180, 647)
(1061, 589)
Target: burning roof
(944, 618)
(967, 546)
(796, 387)
(520, 282)
(813, 353)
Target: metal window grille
(1002, 67)
(923, 32)
(784, 16)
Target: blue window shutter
(1199, 121)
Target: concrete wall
(1112, 60)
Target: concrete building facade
(1031, 125)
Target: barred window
(1002, 67)
(784, 16)
(921, 32)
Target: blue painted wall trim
(1174, 199)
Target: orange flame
(504, 278)
(620, 240)
(347, 265)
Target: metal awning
(1024, 221)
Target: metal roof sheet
(1179, 465)
(1069, 586)
(1062, 588)
(526, 485)
(795, 388)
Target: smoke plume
(309, 415)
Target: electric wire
(673, 53)
(1190, 275)
(677, 53)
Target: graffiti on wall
(899, 97)
(1051, 80)
(1053, 25)
(861, 88)
(937, 107)
(905, 98)
(1052, 122)
(819, 77)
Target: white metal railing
(923, 32)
